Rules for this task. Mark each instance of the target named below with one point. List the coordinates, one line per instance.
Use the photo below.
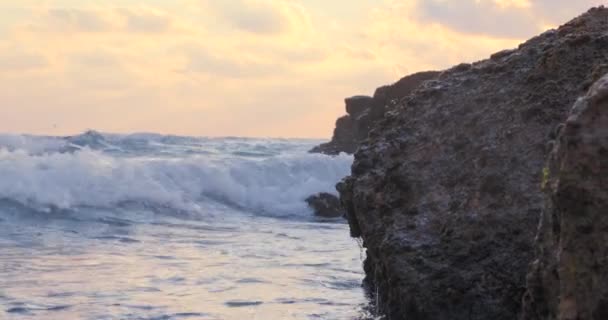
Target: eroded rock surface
(363, 112)
(569, 280)
(446, 192)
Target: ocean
(147, 226)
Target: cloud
(263, 17)
(557, 12)
(514, 19)
(97, 58)
(478, 17)
(258, 17)
(404, 40)
(200, 60)
(102, 20)
(294, 54)
(208, 67)
(147, 21)
(358, 53)
(20, 61)
(65, 20)
(513, 3)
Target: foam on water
(147, 226)
(94, 170)
(31, 144)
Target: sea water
(147, 226)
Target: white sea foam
(31, 144)
(275, 185)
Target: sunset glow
(236, 67)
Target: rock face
(569, 280)
(446, 191)
(363, 112)
(325, 205)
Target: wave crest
(91, 178)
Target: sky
(260, 68)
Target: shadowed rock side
(363, 112)
(569, 281)
(325, 205)
(446, 191)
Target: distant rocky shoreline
(454, 170)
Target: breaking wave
(272, 176)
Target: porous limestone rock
(446, 191)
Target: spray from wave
(273, 176)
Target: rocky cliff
(569, 280)
(363, 112)
(446, 191)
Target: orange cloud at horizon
(276, 68)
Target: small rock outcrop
(364, 111)
(325, 205)
(569, 280)
(446, 191)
